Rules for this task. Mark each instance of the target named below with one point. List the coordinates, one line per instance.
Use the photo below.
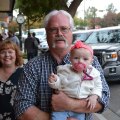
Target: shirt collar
(64, 61)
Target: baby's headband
(80, 44)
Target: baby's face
(81, 55)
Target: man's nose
(59, 31)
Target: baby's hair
(80, 44)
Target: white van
(40, 34)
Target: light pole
(20, 21)
(94, 16)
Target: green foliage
(111, 8)
(80, 22)
(35, 10)
(38, 8)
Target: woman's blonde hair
(8, 44)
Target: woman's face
(8, 57)
(59, 34)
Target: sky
(99, 4)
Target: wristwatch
(20, 19)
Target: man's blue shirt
(33, 88)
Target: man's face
(59, 34)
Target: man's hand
(60, 102)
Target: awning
(6, 8)
(6, 5)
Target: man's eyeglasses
(55, 30)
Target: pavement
(107, 115)
(99, 117)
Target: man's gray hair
(55, 12)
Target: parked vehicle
(22, 35)
(106, 45)
(81, 35)
(40, 34)
(43, 47)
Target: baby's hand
(52, 78)
(92, 100)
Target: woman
(10, 68)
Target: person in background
(1, 38)
(34, 99)
(4, 35)
(10, 69)
(30, 47)
(36, 42)
(13, 37)
(78, 80)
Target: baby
(78, 80)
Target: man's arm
(33, 113)
(62, 102)
(25, 98)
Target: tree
(35, 10)
(79, 23)
(118, 18)
(90, 15)
(110, 18)
(111, 8)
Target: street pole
(20, 35)
(20, 21)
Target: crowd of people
(10, 36)
(28, 92)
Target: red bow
(80, 44)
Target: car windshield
(105, 36)
(40, 33)
(81, 36)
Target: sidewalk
(107, 115)
(99, 117)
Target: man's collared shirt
(33, 88)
